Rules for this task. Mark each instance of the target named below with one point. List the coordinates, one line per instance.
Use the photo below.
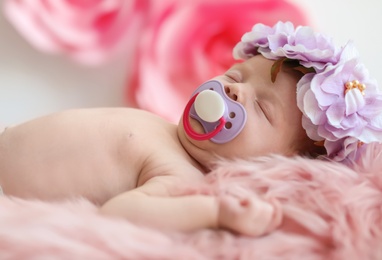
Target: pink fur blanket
(330, 212)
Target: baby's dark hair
(306, 147)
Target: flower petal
(354, 101)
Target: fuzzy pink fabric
(330, 212)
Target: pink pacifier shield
(212, 107)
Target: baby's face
(273, 118)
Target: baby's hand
(248, 214)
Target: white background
(34, 84)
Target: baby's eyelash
(233, 77)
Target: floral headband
(340, 103)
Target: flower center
(355, 84)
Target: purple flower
(258, 38)
(343, 150)
(282, 40)
(335, 114)
(340, 103)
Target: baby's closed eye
(233, 76)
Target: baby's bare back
(94, 153)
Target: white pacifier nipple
(209, 106)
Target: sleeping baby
(129, 161)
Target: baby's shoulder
(116, 120)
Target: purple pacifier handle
(234, 114)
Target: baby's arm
(151, 204)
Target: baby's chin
(188, 142)
(195, 125)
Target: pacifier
(221, 117)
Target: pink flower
(87, 30)
(190, 42)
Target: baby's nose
(232, 92)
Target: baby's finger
(240, 192)
(277, 217)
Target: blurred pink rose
(192, 41)
(90, 31)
